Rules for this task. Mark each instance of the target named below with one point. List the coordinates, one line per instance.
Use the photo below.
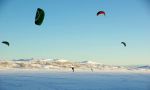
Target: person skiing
(72, 68)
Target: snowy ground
(65, 80)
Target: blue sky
(71, 30)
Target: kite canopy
(123, 44)
(101, 13)
(6, 43)
(39, 16)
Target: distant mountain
(65, 64)
(89, 62)
(60, 60)
(144, 67)
(46, 59)
(23, 59)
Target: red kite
(101, 12)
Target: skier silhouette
(72, 69)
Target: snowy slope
(62, 64)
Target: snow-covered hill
(63, 64)
(60, 60)
(90, 62)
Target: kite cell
(39, 16)
(101, 13)
(123, 44)
(6, 43)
